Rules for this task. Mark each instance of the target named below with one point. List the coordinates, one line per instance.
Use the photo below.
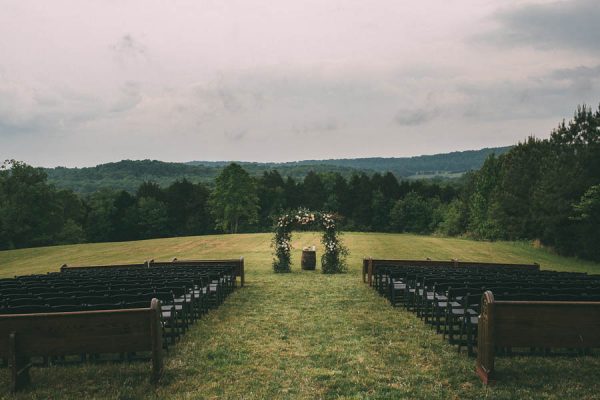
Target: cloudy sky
(86, 82)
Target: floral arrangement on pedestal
(333, 259)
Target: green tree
(338, 196)
(481, 224)
(187, 208)
(234, 200)
(150, 189)
(31, 213)
(381, 208)
(361, 196)
(152, 218)
(452, 219)
(313, 192)
(124, 217)
(412, 214)
(272, 197)
(99, 220)
(520, 171)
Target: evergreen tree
(482, 224)
(361, 198)
(272, 197)
(187, 208)
(313, 192)
(124, 217)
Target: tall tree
(152, 218)
(31, 213)
(99, 220)
(124, 217)
(234, 200)
(361, 194)
(513, 199)
(187, 208)
(313, 191)
(272, 198)
(587, 213)
(481, 224)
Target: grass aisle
(306, 335)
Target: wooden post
(157, 341)
(370, 271)
(19, 365)
(485, 340)
(242, 277)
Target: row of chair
(186, 291)
(448, 298)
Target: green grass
(306, 335)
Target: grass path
(306, 335)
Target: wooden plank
(157, 342)
(547, 324)
(60, 333)
(65, 267)
(486, 335)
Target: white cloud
(257, 80)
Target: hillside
(128, 174)
(305, 335)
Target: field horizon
(306, 335)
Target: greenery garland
(333, 259)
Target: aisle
(308, 335)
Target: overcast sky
(87, 82)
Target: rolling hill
(128, 174)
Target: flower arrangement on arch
(333, 259)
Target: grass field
(306, 335)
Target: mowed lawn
(306, 335)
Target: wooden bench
(545, 324)
(370, 265)
(23, 336)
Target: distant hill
(128, 174)
(438, 164)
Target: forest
(129, 174)
(547, 190)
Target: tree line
(546, 190)
(34, 212)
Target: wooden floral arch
(333, 259)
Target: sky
(84, 82)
